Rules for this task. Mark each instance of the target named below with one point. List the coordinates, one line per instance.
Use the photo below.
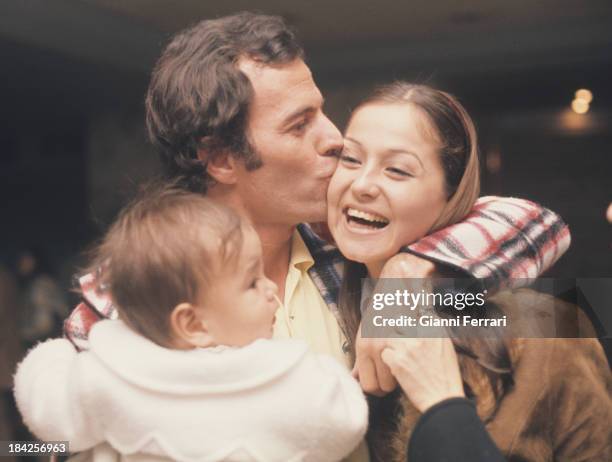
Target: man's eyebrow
(302, 111)
(298, 114)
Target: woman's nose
(364, 186)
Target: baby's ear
(188, 328)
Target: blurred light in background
(584, 95)
(574, 122)
(583, 98)
(580, 106)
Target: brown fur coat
(559, 407)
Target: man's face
(297, 144)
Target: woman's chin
(354, 249)
(356, 257)
(359, 254)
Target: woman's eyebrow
(404, 151)
(353, 140)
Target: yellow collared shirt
(305, 315)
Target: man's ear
(188, 329)
(220, 165)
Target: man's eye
(299, 128)
(254, 283)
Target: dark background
(73, 74)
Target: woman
(410, 167)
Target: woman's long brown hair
(485, 362)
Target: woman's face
(388, 188)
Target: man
(235, 112)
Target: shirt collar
(301, 258)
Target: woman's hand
(373, 374)
(426, 369)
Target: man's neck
(276, 248)
(275, 238)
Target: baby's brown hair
(161, 251)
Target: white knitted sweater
(272, 400)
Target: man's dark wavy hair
(199, 99)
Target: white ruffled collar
(207, 370)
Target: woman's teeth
(366, 219)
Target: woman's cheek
(332, 201)
(337, 185)
(331, 188)
(413, 211)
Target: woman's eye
(254, 283)
(349, 159)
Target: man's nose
(332, 142)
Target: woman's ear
(188, 328)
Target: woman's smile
(388, 188)
(365, 222)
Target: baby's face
(240, 302)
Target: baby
(188, 372)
